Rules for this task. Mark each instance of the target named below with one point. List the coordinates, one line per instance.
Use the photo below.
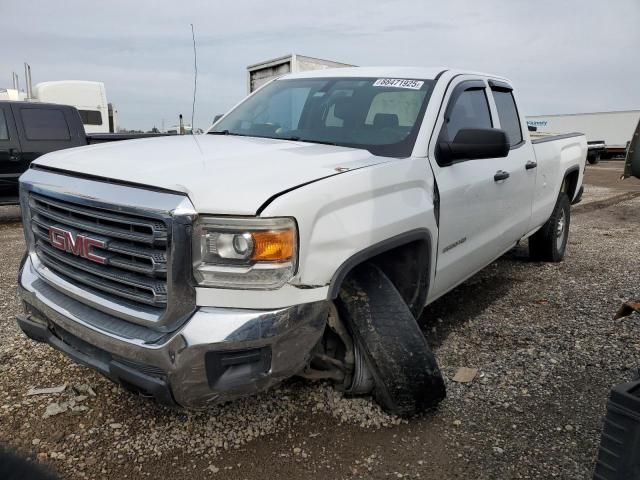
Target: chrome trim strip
(157, 258)
(102, 303)
(86, 269)
(43, 205)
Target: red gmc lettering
(79, 245)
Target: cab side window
(44, 124)
(508, 114)
(470, 110)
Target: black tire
(594, 159)
(406, 374)
(549, 244)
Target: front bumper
(219, 354)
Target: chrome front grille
(135, 249)
(142, 239)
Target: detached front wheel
(406, 376)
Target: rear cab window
(44, 124)
(508, 114)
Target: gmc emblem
(80, 245)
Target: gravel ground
(541, 335)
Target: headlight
(252, 253)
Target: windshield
(381, 115)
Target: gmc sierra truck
(303, 235)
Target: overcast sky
(563, 56)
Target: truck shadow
(468, 300)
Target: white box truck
(260, 73)
(608, 133)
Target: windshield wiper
(227, 132)
(293, 138)
(299, 139)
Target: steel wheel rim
(561, 229)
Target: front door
(470, 198)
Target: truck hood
(220, 174)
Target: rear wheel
(549, 244)
(406, 376)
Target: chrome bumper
(219, 354)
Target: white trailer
(261, 73)
(613, 129)
(90, 98)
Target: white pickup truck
(303, 235)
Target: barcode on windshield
(398, 83)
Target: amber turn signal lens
(273, 246)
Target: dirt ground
(541, 335)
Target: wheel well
(406, 265)
(570, 183)
(408, 269)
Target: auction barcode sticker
(398, 83)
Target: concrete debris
(46, 391)
(55, 409)
(465, 375)
(84, 388)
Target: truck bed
(571, 149)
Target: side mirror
(473, 144)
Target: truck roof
(35, 102)
(427, 73)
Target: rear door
(10, 155)
(517, 190)
(470, 199)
